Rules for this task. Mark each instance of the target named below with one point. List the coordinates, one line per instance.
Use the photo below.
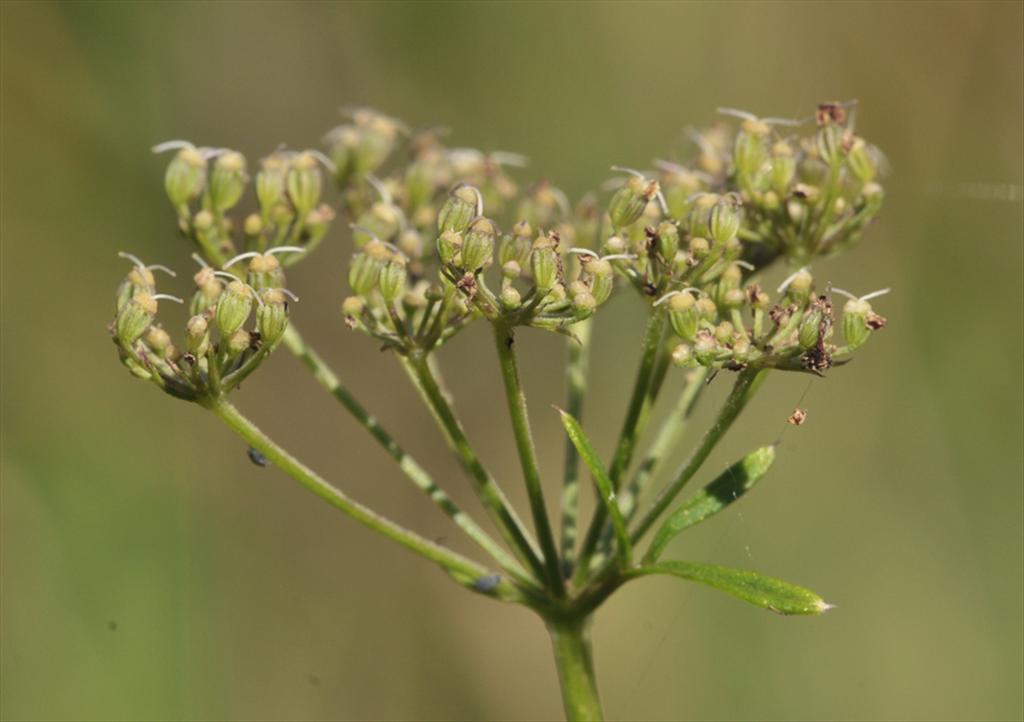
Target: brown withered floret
(798, 417)
(467, 284)
(874, 321)
(830, 113)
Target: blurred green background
(150, 571)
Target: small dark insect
(256, 457)
(798, 417)
(488, 583)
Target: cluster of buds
(537, 282)
(726, 325)
(205, 184)
(219, 351)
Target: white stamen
(875, 294)
(134, 259)
(631, 171)
(703, 143)
(746, 265)
(200, 260)
(289, 294)
(324, 161)
(667, 165)
(172, 145)
(618, 257)
(562, 200)
(516, 160)
(211, 153)
(841, 292)
(285, 249)
(225, 274)
(364, 229)
(582, 252)
(662, 203)
(789, 279)
(383, 192)
(666, 297)
(780, 121)
(167, 297)
(162, 267)
(241, 257)
(737, 113)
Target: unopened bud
(233, 308)
(238, 342)
(459, 209)
(478, 245)
(683, 315)
(304, 183)
(725, 220)
(511, 270)
(272, 316)
(270, 182)
(668, 241)
(510, 298)
(185, 177)
(629, 202)
(227, 181)
(544, 265)
(682, 356)
(197, 336)
(135, 317)
(265, 272)
(352, 306)
(449, 244)
(862, 161)
(392, 280)
(158, 340)
(583, 304)
(253, 225)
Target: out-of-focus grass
(150, 571)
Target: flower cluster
(218, 350)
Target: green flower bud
(750, 150)
(706, 309)
(583, 305)
(630, 201)
(272, 316)
(668, 241)
(683, 315)
(700, 214)
(185, 177)
(615, 245)
(511, 270)
(158, 340)
(238, 342)
(516, 247)
(724, 222)
(705, 348)
(602, 281)
(798, 287)
(304, 183)
(382, 220)
(783, 168)
(449, 244)
(859, 320)
(699, 247)
(682, 356)
(544, 265)
(463, 205)
(478, 245)
(862, 161)
(227, 181)
(741, 349)
(265, 272)
(203, 221)
(392, 280)
(253, 226)
(411, 243)
(135, 317)
(270, 182)
(810, 327)
(510, 298)
(233, 308)
(352, 307)
(733, 298)
(724, 332)
(197, 336)
(208, 291)
(829, 143)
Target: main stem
(571, 642)
(504, 341)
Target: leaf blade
(727, 487)
(762, 591)
(601, 481)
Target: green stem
(487, 488)
(668, 437)
(627, 437)
(416, 473)
(576, 381)
(504, 342)
(744, 389)
(465, 570)
(571, 642)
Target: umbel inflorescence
(445, 237)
